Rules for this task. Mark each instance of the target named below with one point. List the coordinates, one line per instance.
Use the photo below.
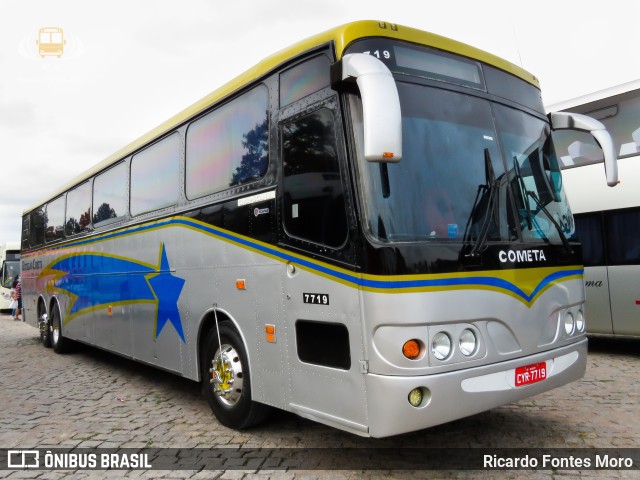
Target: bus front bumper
(453, 395)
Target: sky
(129, 65)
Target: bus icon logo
(23, 459)
(51, 42)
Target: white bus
(366, 229)
(10, 264)
(607, 219)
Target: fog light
(569, 323)
(580, 321)
(468, 342)
(441, 345)
(411, 349)
(415, 397)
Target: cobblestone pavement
(90, 398)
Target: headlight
(441, 345)
(569, 323)
(580, 321)
(468, 342)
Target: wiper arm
(516, 168)
(563, 237)
(492, 188)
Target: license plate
(531, 374)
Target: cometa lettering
(520, 256)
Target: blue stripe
(355, 280)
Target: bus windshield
(464, 160)
(10, 271)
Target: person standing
(14, 301)
(19, 298)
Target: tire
(59, 343)
(45, 332)
(229, 399)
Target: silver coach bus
(367, 229)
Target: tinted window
(512, 88)
(623, 236)
(589, 229)
(155, 174)
(110, 194)
(304, 79)
(228, 146)
(79, 209)
(36, 227)
(54, 229)
(314, 207)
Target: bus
(607, 220)
(51, 42)
(10, 270)
(367, 229)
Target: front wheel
(226, 380)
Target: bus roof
(598, 99)
(341, 37)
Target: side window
(314, 207)
(623, 236)
(228, 146)
(590, 234)
(25, 232)
(36, 228)
(78, 209)
(304, 79)
(110, 194)
(54, 218)
(155, 174)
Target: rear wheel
(45, 331)
(59, 343)
(226, 380)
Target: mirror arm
(584, 123)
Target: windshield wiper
(563, 237)
(490, 188)
(516, 168)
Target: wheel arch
(207, 324)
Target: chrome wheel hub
(226, 375)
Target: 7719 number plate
(531, 374)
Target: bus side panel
(598, 308)
(270, 380)
(325, 349)
(625, 299)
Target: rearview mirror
(380, 105)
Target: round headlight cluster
(573, 322)
(442, 346)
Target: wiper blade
(491, 188)
(563, 237)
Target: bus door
(322, 310)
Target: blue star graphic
(167, 289)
